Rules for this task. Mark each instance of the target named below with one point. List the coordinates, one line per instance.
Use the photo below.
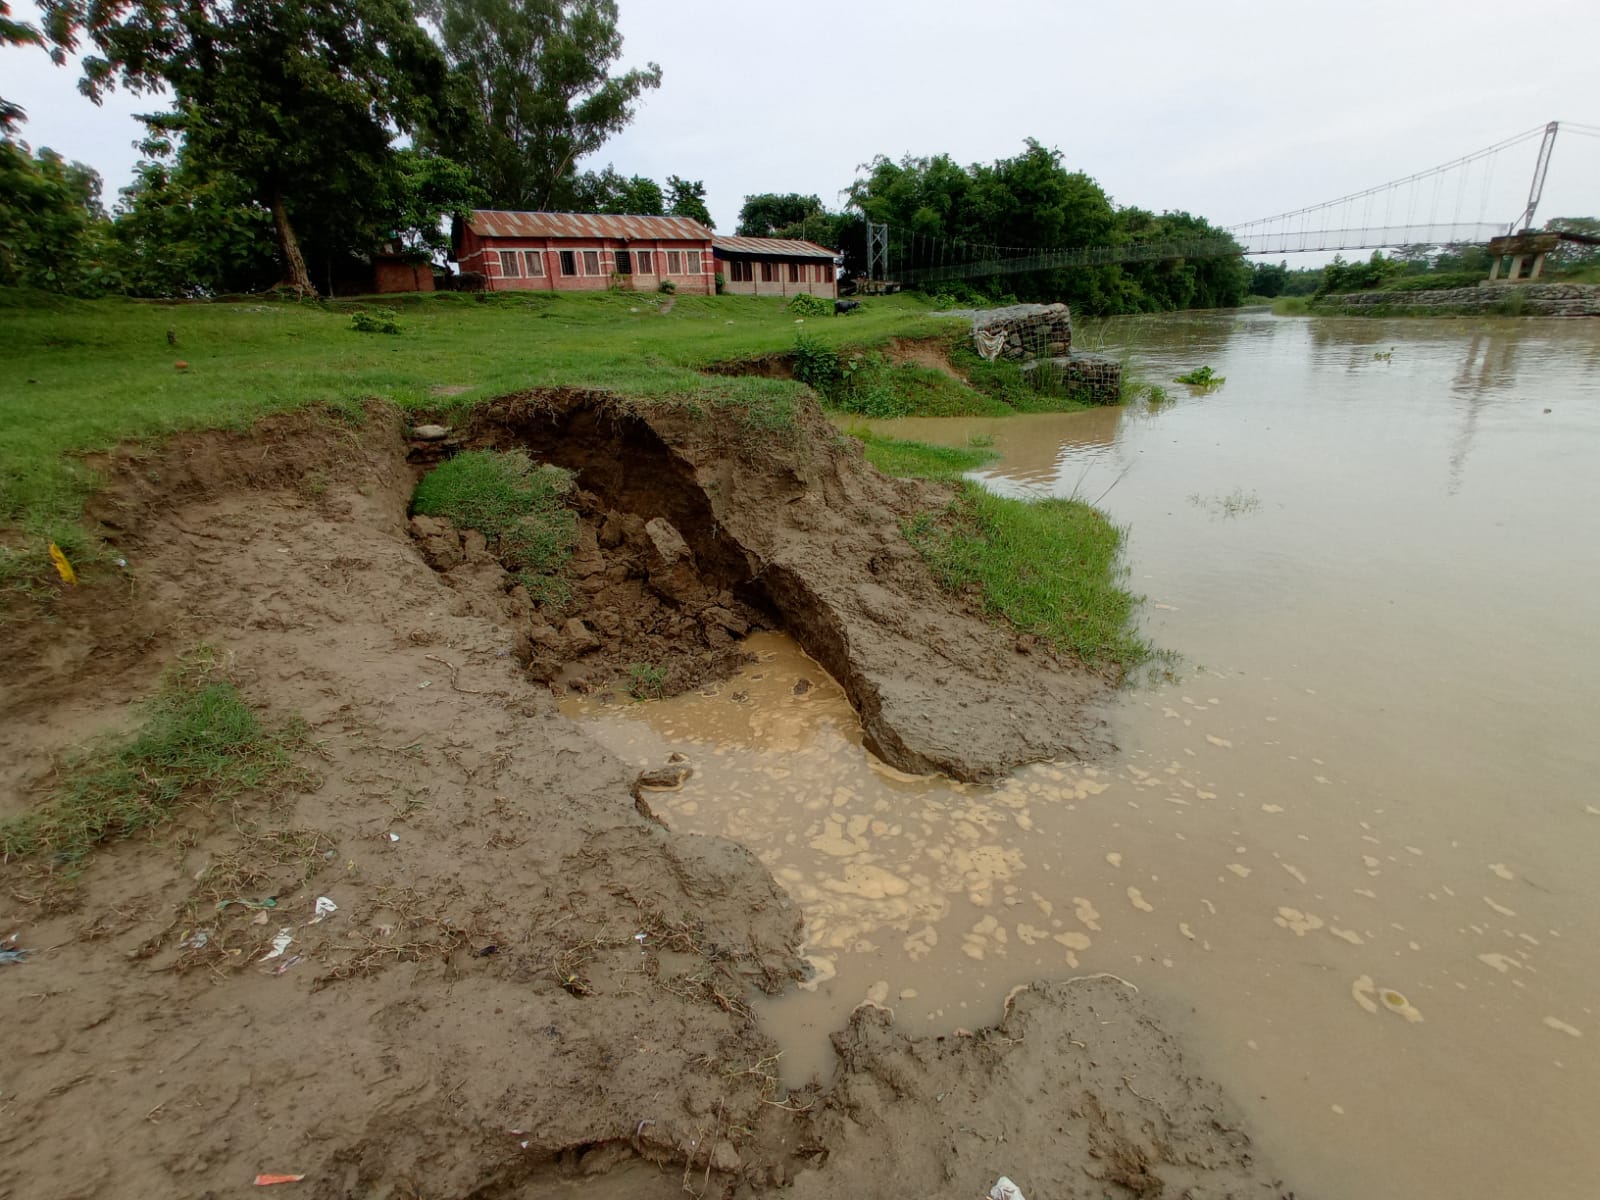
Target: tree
(768, 211)
(609, 192)
(1268, 280)
(298, 102)
(14, 33)
(53, 231)
(687, 198)
(534, 76)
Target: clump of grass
(519, 506)
(1201, 377)
(647, 681)
(807, 305)
(375, 320)
(199, 743)
(1048, 567)
(919, 460)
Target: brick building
(776, 267)
(579, 252)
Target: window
(823, 273)
(535, 261)
(740, 271)
(694, 262)
(767, 272)
(624, 262)
(508, 263)
(674, 263)
(794, 272)
(569, 263)
(646, 266)
(591, 262)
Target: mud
(527, 987)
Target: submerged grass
(518, 505)
(919, 460)
(1050, 567)
(199, 743)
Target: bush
(1202, 377)
(1435, 282)
(721, 281)
(668, 287)
(807, 305)
(518, 505)
(816, 365)
(375, 320)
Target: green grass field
(84, 375)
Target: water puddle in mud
(1355, 839)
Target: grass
(199, 743)
(79, 376)
(519, 506)
(919, 460)
(1203, 378)
(1047, 567)
(1050, 568)
(1005, 381)
(647, 681)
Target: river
(1355, 839)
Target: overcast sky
(1233, 109)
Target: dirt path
(527, 984)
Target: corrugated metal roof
(778, 247)
(499, 223)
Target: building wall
(482, 255)
(394, 275)
(781, 285)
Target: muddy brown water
(1356, 840)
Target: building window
(767, 273)
(694, 262)
(646, 265)
(591, 262)
(569, 263)
(624, 262)
(740, 271)
(674, 263)
(822, 272)
(508, 264)
(535, 261)
(794, 272)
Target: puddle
(1356, 840)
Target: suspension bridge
(1449, 204)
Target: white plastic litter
(325, 908)
(279, 944)
(1004, 1189)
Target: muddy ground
(529, 987)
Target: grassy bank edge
(1050, 568)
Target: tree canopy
(767, 212)
(299, 103)
(532, 93)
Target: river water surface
(1357, 840)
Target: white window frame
(533, 263)
(674, 262)
(644, 262)
(693, 262)
(591, 256)
(508, 264)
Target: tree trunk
(295, 278)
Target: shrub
(721, 282)
(518, 505)
(375, 320)
(816, 365)
(1201, 377)
(668, 287)
(807, 305)
(1436, 282)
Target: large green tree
(766, 212)
(299, 102)
(609, 191)
(687, 198)
(53, 231)
(534, 77)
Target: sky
(1233, 109)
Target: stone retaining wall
(1029, 331)
(1087, 378)
(1541, 299)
